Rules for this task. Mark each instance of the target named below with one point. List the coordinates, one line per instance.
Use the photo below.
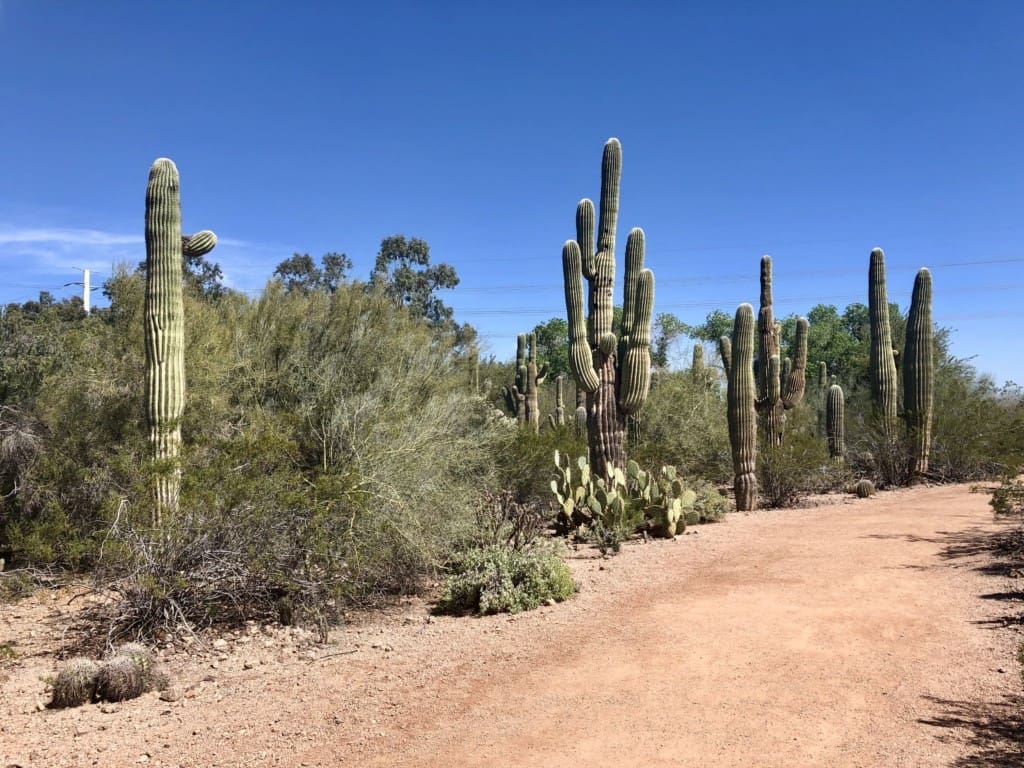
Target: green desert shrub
(683, 424)
(711, 504)
(797, 468)
(498, 579)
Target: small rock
(549, 602)
(172, 693)
(220, 644)
(248, 664)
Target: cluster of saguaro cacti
(522, 397)
(741, 397)
(780, 383)
(918, 362)
(165, 328)
(614, 372)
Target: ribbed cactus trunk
(560, 399)
(919, 373)
(515, 396)
(580, 414)
(615, 373)
(835, 421)
(780, 384)
(882, 363)
(164, 331)
(742, 414)
(164, 317)
(534, 377)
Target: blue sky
(809, 131)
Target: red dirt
(854, 633)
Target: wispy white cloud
(65, 236)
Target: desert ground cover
(851, 632)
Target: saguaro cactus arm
(638, 307)
(581, 359)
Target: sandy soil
(875, 632)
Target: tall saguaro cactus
(742, 414)
(882, 362)
(919, 372)
(515, 396)
(164, 318)
(780, 387)
(835, 421)
(615, 373)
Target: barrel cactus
(919, 372)
(882, 362)
(164, 320)
(742, 414)
(614, 372)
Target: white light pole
(85, 288)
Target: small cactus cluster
(661, 499)
(522, 397)
(128, 672)
(862, 489)
(164, 318)
(666, 499)
(585, 498)
(614, 372)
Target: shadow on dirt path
(994, 730)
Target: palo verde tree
(614, 372)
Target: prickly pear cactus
(163, 315)
(615, 373)
(742, 414)
(919, 372)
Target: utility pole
(86, 290)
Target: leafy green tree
(300, 272)
(553, 346)
(716, 325)
(403, 270)
(667, 329)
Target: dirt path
(859, 633)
